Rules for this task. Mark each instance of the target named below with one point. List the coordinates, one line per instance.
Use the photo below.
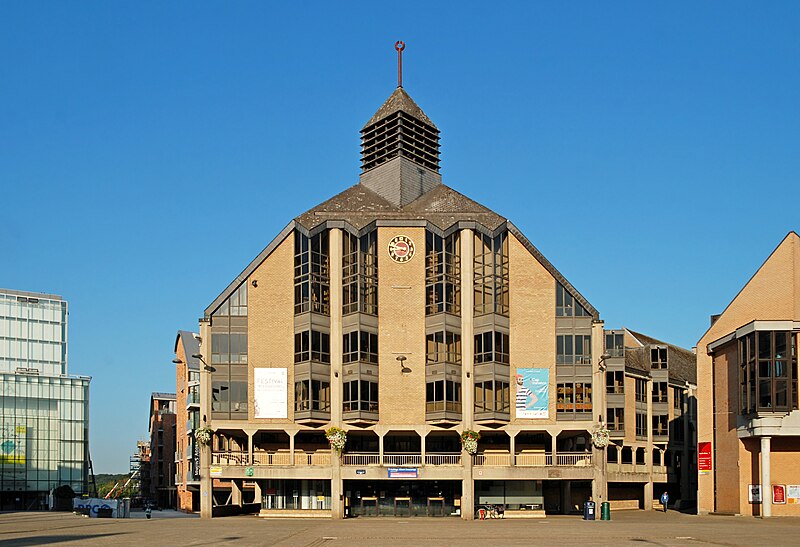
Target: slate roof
(359, 206)
(399, 100)
(682, 362)
(191, 346)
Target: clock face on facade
(401, 248)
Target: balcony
(562, 459)
(400, 460)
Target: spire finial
(399, 46)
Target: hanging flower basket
(337, 438)
(469, 439)
(600, 437)
(203, 435)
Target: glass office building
(44, 412)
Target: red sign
(778, 493)
(704, 457)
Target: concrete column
(648, 454)
(206, 482)
(566, 497)
(512, 447)
(553, 440)
(337, 487)
(766, 480)
(291, 447)
(467, 489)
(684, 478)
(236, 492)
(467, 330)
(249, 448)
(422, 437)
(335, 253)
(380, 448)
(257, 496)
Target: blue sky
(149, 151)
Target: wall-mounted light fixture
(254, 283)
(403, 368)
(205, 365)
(602, 363)
(467, 374)
(177, 361)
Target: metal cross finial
(399, 46)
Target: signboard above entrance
(402, 472)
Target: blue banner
(532, 392)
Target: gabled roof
(161, 396)
(191, 346)
(399, 100)
(682, 362)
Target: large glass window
(443, 347)
(660, 426)
(491, 274)
(641, 390)
(312, 395)
(442, 274)
(491, 346)
(567, 305)
(360, 273)
(573, 349)
(659, 392)
(360, 395)
(311, 273)
(492, 396)
(615, 344)
(767, 372)
(443, 395)
(574, 397)
(311, 345)
(615, 419)
(641, 424)
(615, 381)
(360, 346)
(658, 357)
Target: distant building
(140, 470)
(44, 412)
(749, 422)
(187, 393)
(162, 449)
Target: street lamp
(403, 368)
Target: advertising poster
(532, 390)
(778, 494)
(12, 444)
(793, 493)
(704, 458)
(754, 493)
(270, 392)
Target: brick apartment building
(749, 424)
(162, 449)
(187, 420)
(406, 313)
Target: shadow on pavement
(46, 540)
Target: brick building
(749, 424)
(406, 313)
(162, 449)
(187, 420)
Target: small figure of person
(665, 500)
(501, 510)
(147, 511)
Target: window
(615, 381)
(360, 273)
(658, 358)
(235, 305)
(615, 419)
(443, 395)
(660, 425)
(228, 348)
(360, 346)
(567, 305)
(767, 372)
(490, 347)
(443, 347)
(573, 349)
(312, 395)
(574, 397)
(492, 396)
(490, 279)
(677, 432)
(312, 346)
(442, 274)
(678, 399)
(311, 273)
(641, 390)
(360, 395)
(641, 424)
(615, 344)
(659, 392)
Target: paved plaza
(633, 527)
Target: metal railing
(492, 459)
(229, 458)
(533, 460)
(312, 458)
(272, 458)
(579, 459)
(442, 459)
(361, 459)
(402, 459)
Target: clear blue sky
(150, 150)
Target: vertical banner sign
(778, 494)
(532, 390)
(270, 392)
(12, 444)
(754, 493)
(704, 458)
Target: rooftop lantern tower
(400, 147)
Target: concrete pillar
(684, 478)
(648, 453)
(257, 496)
(206, 482)
(467, 489)
(380, 448)
(467, 331)
(236, 492)
(249, 448)
(337, 487)
(422, 437)
(335, 253)
(566, 497)
(291, 447)
(512, 447)
(553, 440)
(766, 480)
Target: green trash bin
(605, 511)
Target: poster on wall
(704, 458)
(12, 444)
(270, 392)
(793, 493)
(779, 494)
(754, 493)
(532, 390)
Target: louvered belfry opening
(400, 135)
